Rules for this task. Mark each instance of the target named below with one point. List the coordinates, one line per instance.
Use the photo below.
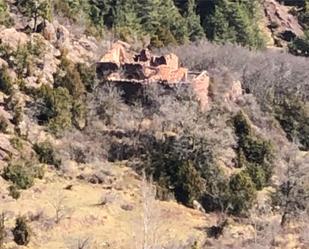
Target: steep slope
(283, 25)
(220, 137)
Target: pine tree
(233, 21)
(218, 27)
(187, 9)
(126, 23)
(35, 9)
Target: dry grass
(108, 226)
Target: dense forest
(174, 22)
(169, 22)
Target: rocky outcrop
(12, 38)
(283, 25)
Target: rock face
(283, 25)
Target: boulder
(12, 38)
(62, 36)
(49, 32)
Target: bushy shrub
(254, 153)
(3, 124)
(175, 162)
(22, 174)
(189, 185)
(300, 46)
(293, 116)
(87, 75)
(24, 59)
(17, 143)
(258, 175)
(19, 174)
(76, 78)
(6, 84)
(242, 193)
(47, 154)
(14, 192)
(54, 108)
(5, 18)
(68, 77)
(21, 232)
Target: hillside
(122, 126)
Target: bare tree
(146, 228)
(59, 206)
(83, 243)
(293, 193)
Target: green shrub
(293, 116)
(79, 114)
(17, 143)
(87, 75)
(242, 193)
(20, 175)
(300, 46)
(17, 115)
(21, 232)
(5, 18)
(257, 175)
(3, 124)
(14, 192)
(38, 171)
(69, 77)
(47, 154)
(6, 84)
(189, 184)
(55, 108)
(254, 153)
(175, 163)
(23, 63)
(25, 57)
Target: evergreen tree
(162, 20)
(232, 21)
(217, 26)
(35, 9)
(247, 32)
